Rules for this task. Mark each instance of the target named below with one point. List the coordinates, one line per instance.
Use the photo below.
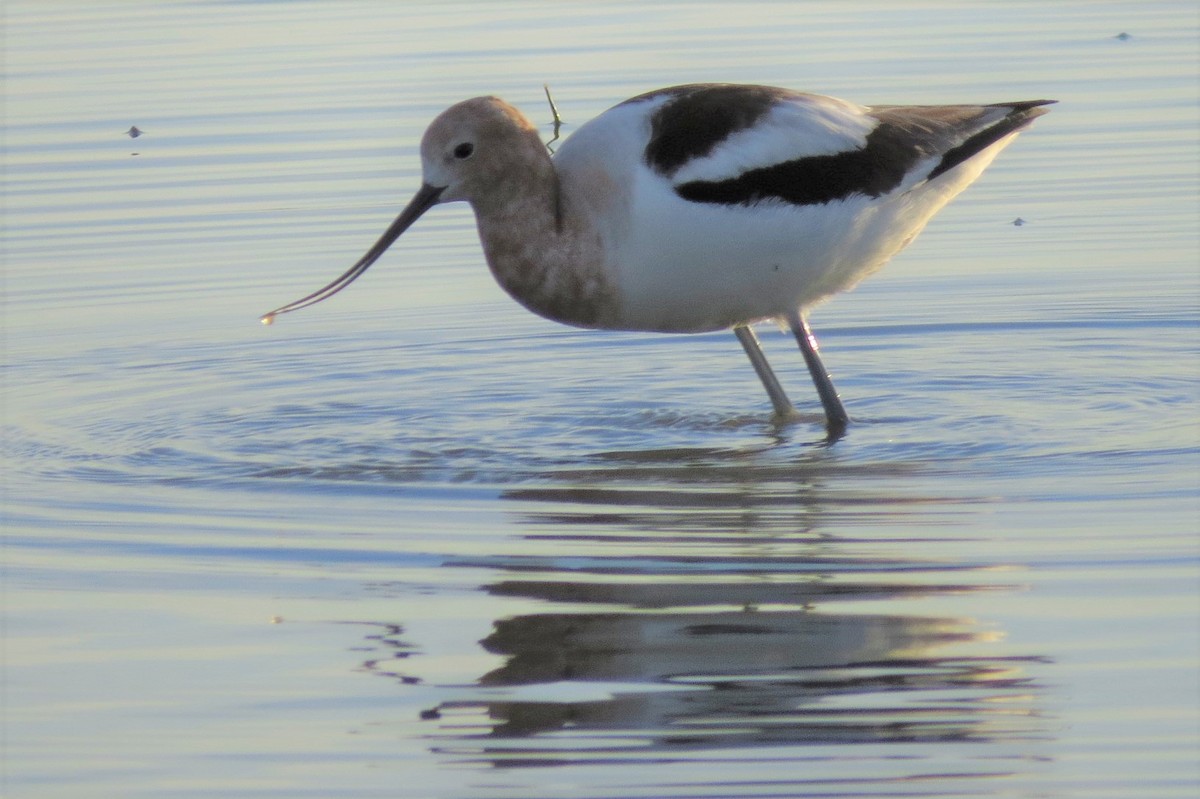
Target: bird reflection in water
(682, 620)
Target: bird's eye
(464, 150)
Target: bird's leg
(835, 415)
(783, 406)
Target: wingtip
(1018, 116)
(1033, 106)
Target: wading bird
(701, 207)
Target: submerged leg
(783, 406)
(835, 415)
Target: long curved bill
(424, 199)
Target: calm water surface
(418, 543)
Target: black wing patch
(902, 137)
(873, 170)
(701, 116)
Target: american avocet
(701, 207)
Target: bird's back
(720, 204)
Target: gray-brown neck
(541, 249)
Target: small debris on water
(133, 132)
(276, 620)
(558, 123)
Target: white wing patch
(796, 128)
